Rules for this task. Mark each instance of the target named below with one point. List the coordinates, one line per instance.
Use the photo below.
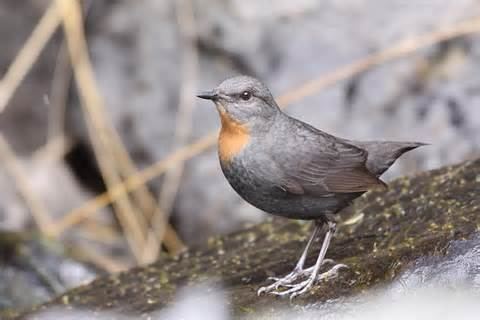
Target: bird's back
(380, 155)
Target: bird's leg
(304, 286)
(298, 270)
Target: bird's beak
(208, 95)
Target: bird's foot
(287, 280)
(304, 286)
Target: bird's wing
(321, 164)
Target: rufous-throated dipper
(286, 167)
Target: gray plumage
(289, 168)
(292, 169)
(299, 172)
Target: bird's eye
(246, 95)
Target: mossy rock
(383, 233)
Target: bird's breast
(232, 139)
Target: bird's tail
(382, 154)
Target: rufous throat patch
(232, 139)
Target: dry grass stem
(101, 233)
(147, 205)
(28, 54)
(117, 162)
(54, 150)
(100, 260)
(59, 94)
(134, 233)
(400, 49)
(87, 210)
(100, 138)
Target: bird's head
(243, 100)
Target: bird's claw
(302, 287)
(273, 279)
(292, 276)
(296, 289)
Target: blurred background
(109, 161)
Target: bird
(291, 169)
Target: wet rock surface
(386, 233)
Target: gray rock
(34, 270)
